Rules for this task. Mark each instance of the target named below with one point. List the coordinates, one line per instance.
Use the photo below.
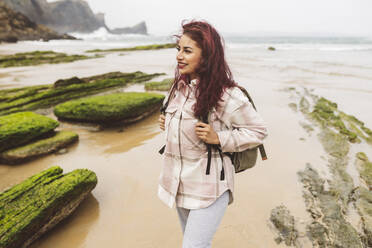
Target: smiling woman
(204, 108)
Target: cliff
(15, 26)
(62, 16)
(67, 16)
(140, 28)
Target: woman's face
(188, 56)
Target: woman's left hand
(206, 133)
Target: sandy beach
(124, 211)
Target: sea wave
(304, 47)
(103, 35)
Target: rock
(63, 16)
(21, 128)
(39, 57)
(8, 38)
(363, 204)
(324, 205)
(68, 81)
(285, 224)
(38, 148)
(271, 48)
(34, 206)
(120, 108)
(46, 96)
(364, 167)
(164, 85)
(62, 151)
(328, 200)
(139, 28)
(136, 48)
(16, 26)
(293, 106)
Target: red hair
(214, 73)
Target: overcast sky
(333, 17)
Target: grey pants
(200, 225)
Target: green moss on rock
(284, 222)
(20, 128)
(164, 85)
(136, 48)
(44, 96)
(364, 167)
(109, 108)
(326, 113)
(32, 207)
(364, 206)
(39, 57)
(40, 147)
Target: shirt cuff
(224, 137)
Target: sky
(288, 17)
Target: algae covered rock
(39, 57)
(68, 81)
(364, 167)
(363, 204)
(285, 223)
(45, 96)
(136, 48)
(40, 147)
(106, 109)
(20, 128)
(164, 85)
(32, 207)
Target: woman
(203, 89)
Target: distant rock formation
(66, 16)
(62, 16)
(140, 28)
(15, 26)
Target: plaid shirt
(183, 178)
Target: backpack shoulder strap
(260, 147)
(247, 95)
(170, 95)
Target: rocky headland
(15, 26)
(68, 16)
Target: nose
(179, 55)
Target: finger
(200, 129)
(201, 124)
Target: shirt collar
(184, 87)
(194, 82)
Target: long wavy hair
(213, 71)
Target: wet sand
(124, 211)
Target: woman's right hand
(162, 122)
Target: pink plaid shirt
(183, 178)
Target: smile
(181, 65)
